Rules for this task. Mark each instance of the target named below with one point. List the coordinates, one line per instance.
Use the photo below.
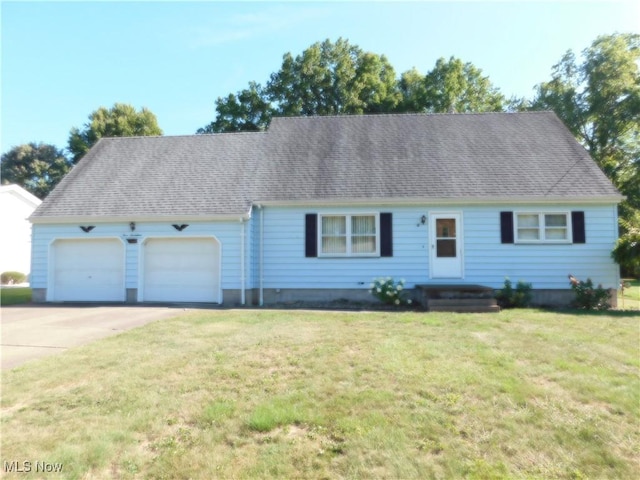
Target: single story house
(16, 205)
(315, 208)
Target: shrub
(588, 297)
(10, 278)
(509, 297)
(388, 291)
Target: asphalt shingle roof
(394, 157)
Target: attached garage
(181, 270)
(87, 270)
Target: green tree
(333, 78)
(121, 120)
(451, 86)
(248, 110)
(413, 91)
(598, 98)
(627, 249)
(36, 167)
(325, 79)
(454, 86)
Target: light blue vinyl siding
(228, 233)
(486, 260)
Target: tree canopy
(121, 120)
(36, 167)
(599, 101)
(334, 78)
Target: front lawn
(15, 295)
(298, 394)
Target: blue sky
(61, 61)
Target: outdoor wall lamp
(423, 220)
(132, 226)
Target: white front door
(445, 242)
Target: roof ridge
(409, 114)
(185, 135)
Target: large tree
(325, 79)
(248, 110)
(121, 120)
(451, 86)
(333, 78)
(598, 98)
(37, 167)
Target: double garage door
(170, 270)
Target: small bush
(588, 297)
(509, 297)
(12, 278)
(388, 291)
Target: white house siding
(16, 205)
(486, 260)
(227, 233)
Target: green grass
(629, 299)
(296, 394)
(15, 295)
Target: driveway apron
(29, 332)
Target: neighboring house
(316, 207)
(16, 205)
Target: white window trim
(348, 253)
(541, 228)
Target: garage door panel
(181, 270)
(88, 270)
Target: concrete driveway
(36, 331)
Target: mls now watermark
(27, 466)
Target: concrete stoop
(458, 298)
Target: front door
(445, 238)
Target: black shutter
(506, 227)
(577, 223)
(386, 235)
(311, 235)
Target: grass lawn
(629, 299)
(15, 295)
(308, 394)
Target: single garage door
(88, 270)
(181, 270)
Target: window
(542, 227)
(349, 235)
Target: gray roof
(441, 157)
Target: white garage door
(181, 270)
(88, 270)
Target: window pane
(446, 248)
(361, 224)
(363, 244)
(334, 244)
(336, 225)
(528, 234)
(555, 220)
(446, 228)
(528, 220)
(555, 233)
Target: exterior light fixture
(132, 226)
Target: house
(16, 205)
(316, 207)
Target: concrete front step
(463, 302)
(464, 308)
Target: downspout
(242, 254)
(261, 255)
